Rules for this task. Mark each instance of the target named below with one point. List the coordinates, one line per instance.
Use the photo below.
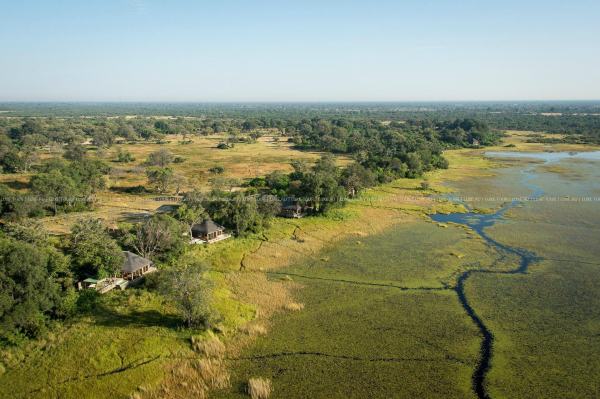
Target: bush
(161, 158)
(254, 329)
(124, 156)
(217, 170)
(139, 189)
(88, 300)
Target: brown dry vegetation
(244, 161)
(190, 379)
(259, 388)
(211, 347)
(294, 306)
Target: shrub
(259, 388)
(124, 156)
(139, 189)
(217, 170)
(161, 158)
(87, 300)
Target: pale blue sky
(303, 50)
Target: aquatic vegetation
(531, 293)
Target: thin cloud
(138, 5)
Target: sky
(302, 50)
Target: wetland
(501, 303)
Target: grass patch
(259, 388)
(125, 343)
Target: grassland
(246, 300)
(375, 308)
(355, 341)
(123, 346)
(545, 322)
(199, 154)
(358, 303)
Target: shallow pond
(545, 156)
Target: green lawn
(124, 345)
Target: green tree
(162, 126)
(243, 214)
(12, 162)
(160, 236)
(269, 206)
(93, 251)
(190, 215)
(188, 287)
(249, 125)
(161, 158)
(74, 152)
(160, 178)
(278, 180)
(31, 292)
(102, 137)
(356, 178)
(55, 189)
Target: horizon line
(287, 101)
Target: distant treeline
(574, 117)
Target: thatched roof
(206, 227)
(134, 262)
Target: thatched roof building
(208, 231)
(135, 266)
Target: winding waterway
(478, 223)
(350, 342)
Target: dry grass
(211, 347)
(214, 373)
(183, 381)
(269, 296)
(244, 161)
(254, 329)
(259, 388)
(294, 306)
(190, 379)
